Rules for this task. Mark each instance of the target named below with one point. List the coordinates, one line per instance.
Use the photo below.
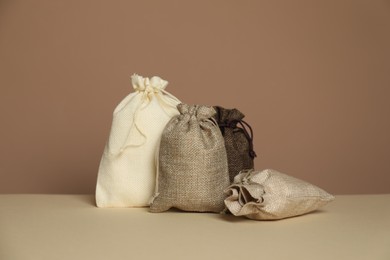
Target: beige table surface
(71, 227)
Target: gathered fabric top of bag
(198, 111)
(143, 84)
(154, 86)
(147, 90)
(231, 118)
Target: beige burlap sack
(193, 170)
(269, 194)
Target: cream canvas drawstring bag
(127, 170)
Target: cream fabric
(127, 169)
(269, 194)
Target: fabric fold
(270, 195)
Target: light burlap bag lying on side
(127, 169)
(193, 171)
(269, 194)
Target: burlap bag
(269, 195)
(193, 171)
(238, 142)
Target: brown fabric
(238, 142)
(269, 194)
(193, 171)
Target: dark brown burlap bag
(193, 170)
(238, 142)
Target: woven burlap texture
(236, 143)
(127, 171)
(269, 194)
(193, 171)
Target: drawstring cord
(213, 121)
(139, 107)
(252, 153)
(244, 126)
(165, 98)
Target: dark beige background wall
(312, 77)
